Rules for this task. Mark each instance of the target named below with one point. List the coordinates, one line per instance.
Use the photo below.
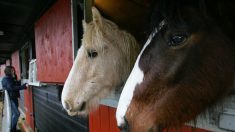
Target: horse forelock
(108, 35)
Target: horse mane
(102, 33)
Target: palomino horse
(185, 67)
(102, 65)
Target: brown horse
(186, 66)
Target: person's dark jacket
(12, 86)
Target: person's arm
(10, 86)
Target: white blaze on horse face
(136, 77)
(70, 86)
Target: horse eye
(177, 39)
(92, 53)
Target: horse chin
(79, 113)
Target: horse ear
(97, 18)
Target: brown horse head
(186, 66)
(103, 63)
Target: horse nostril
(82, 106)
(125, 126)
(67, 106)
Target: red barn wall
(53, 41)
(15, 60)
(2, 67)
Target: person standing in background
(12, 85)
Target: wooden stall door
(28, 96)
(53, 42)
(103, 120)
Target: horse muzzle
(124, 127)
(71, 108)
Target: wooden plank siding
(49, 114)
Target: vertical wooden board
(28, 101)
(105, 122)
(96, 121)
(53, 42)
(31, 122)
(91, 115)
(113, 122)
(26, 105)
(15, 58)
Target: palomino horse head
(102, 65)
(185, 67)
